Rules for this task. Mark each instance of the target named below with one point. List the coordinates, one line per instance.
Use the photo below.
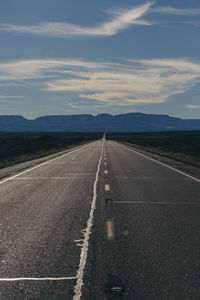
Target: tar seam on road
(84, 250)
(157, 202)
(40, 165)
(165, 165)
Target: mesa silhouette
(130, 122)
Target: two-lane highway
(100, 222)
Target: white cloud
(40, 68)
(193, 106)
(7, 97)
(140, 82)
(120, 21)
(73, 106)
(169, 10)
(132, 82)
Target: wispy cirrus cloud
(142, 81)
(125, 83)
(3, 97)
(169, 10)
(193, 106)
(189, 15)
(120, 21)
(41, 68)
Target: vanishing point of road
(101, 221)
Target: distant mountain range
(135, 122)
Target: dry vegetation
(24, 146)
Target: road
(100, 222)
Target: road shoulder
(179, 165)
(16, 168)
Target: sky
(60, 57)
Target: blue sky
(91, 56)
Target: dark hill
(131, 122)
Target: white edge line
(37, 279)
(40, 165)
(163, 164)
(84, 251)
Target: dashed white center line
(87, 232)
(107, 187)
(110, 234)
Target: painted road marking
(42, 164)
(110, 233)
(163, 164)
(158, 202)
(106, 172)
(37, 279)
(87, 232)
(107, 187)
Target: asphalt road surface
(100, 222)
